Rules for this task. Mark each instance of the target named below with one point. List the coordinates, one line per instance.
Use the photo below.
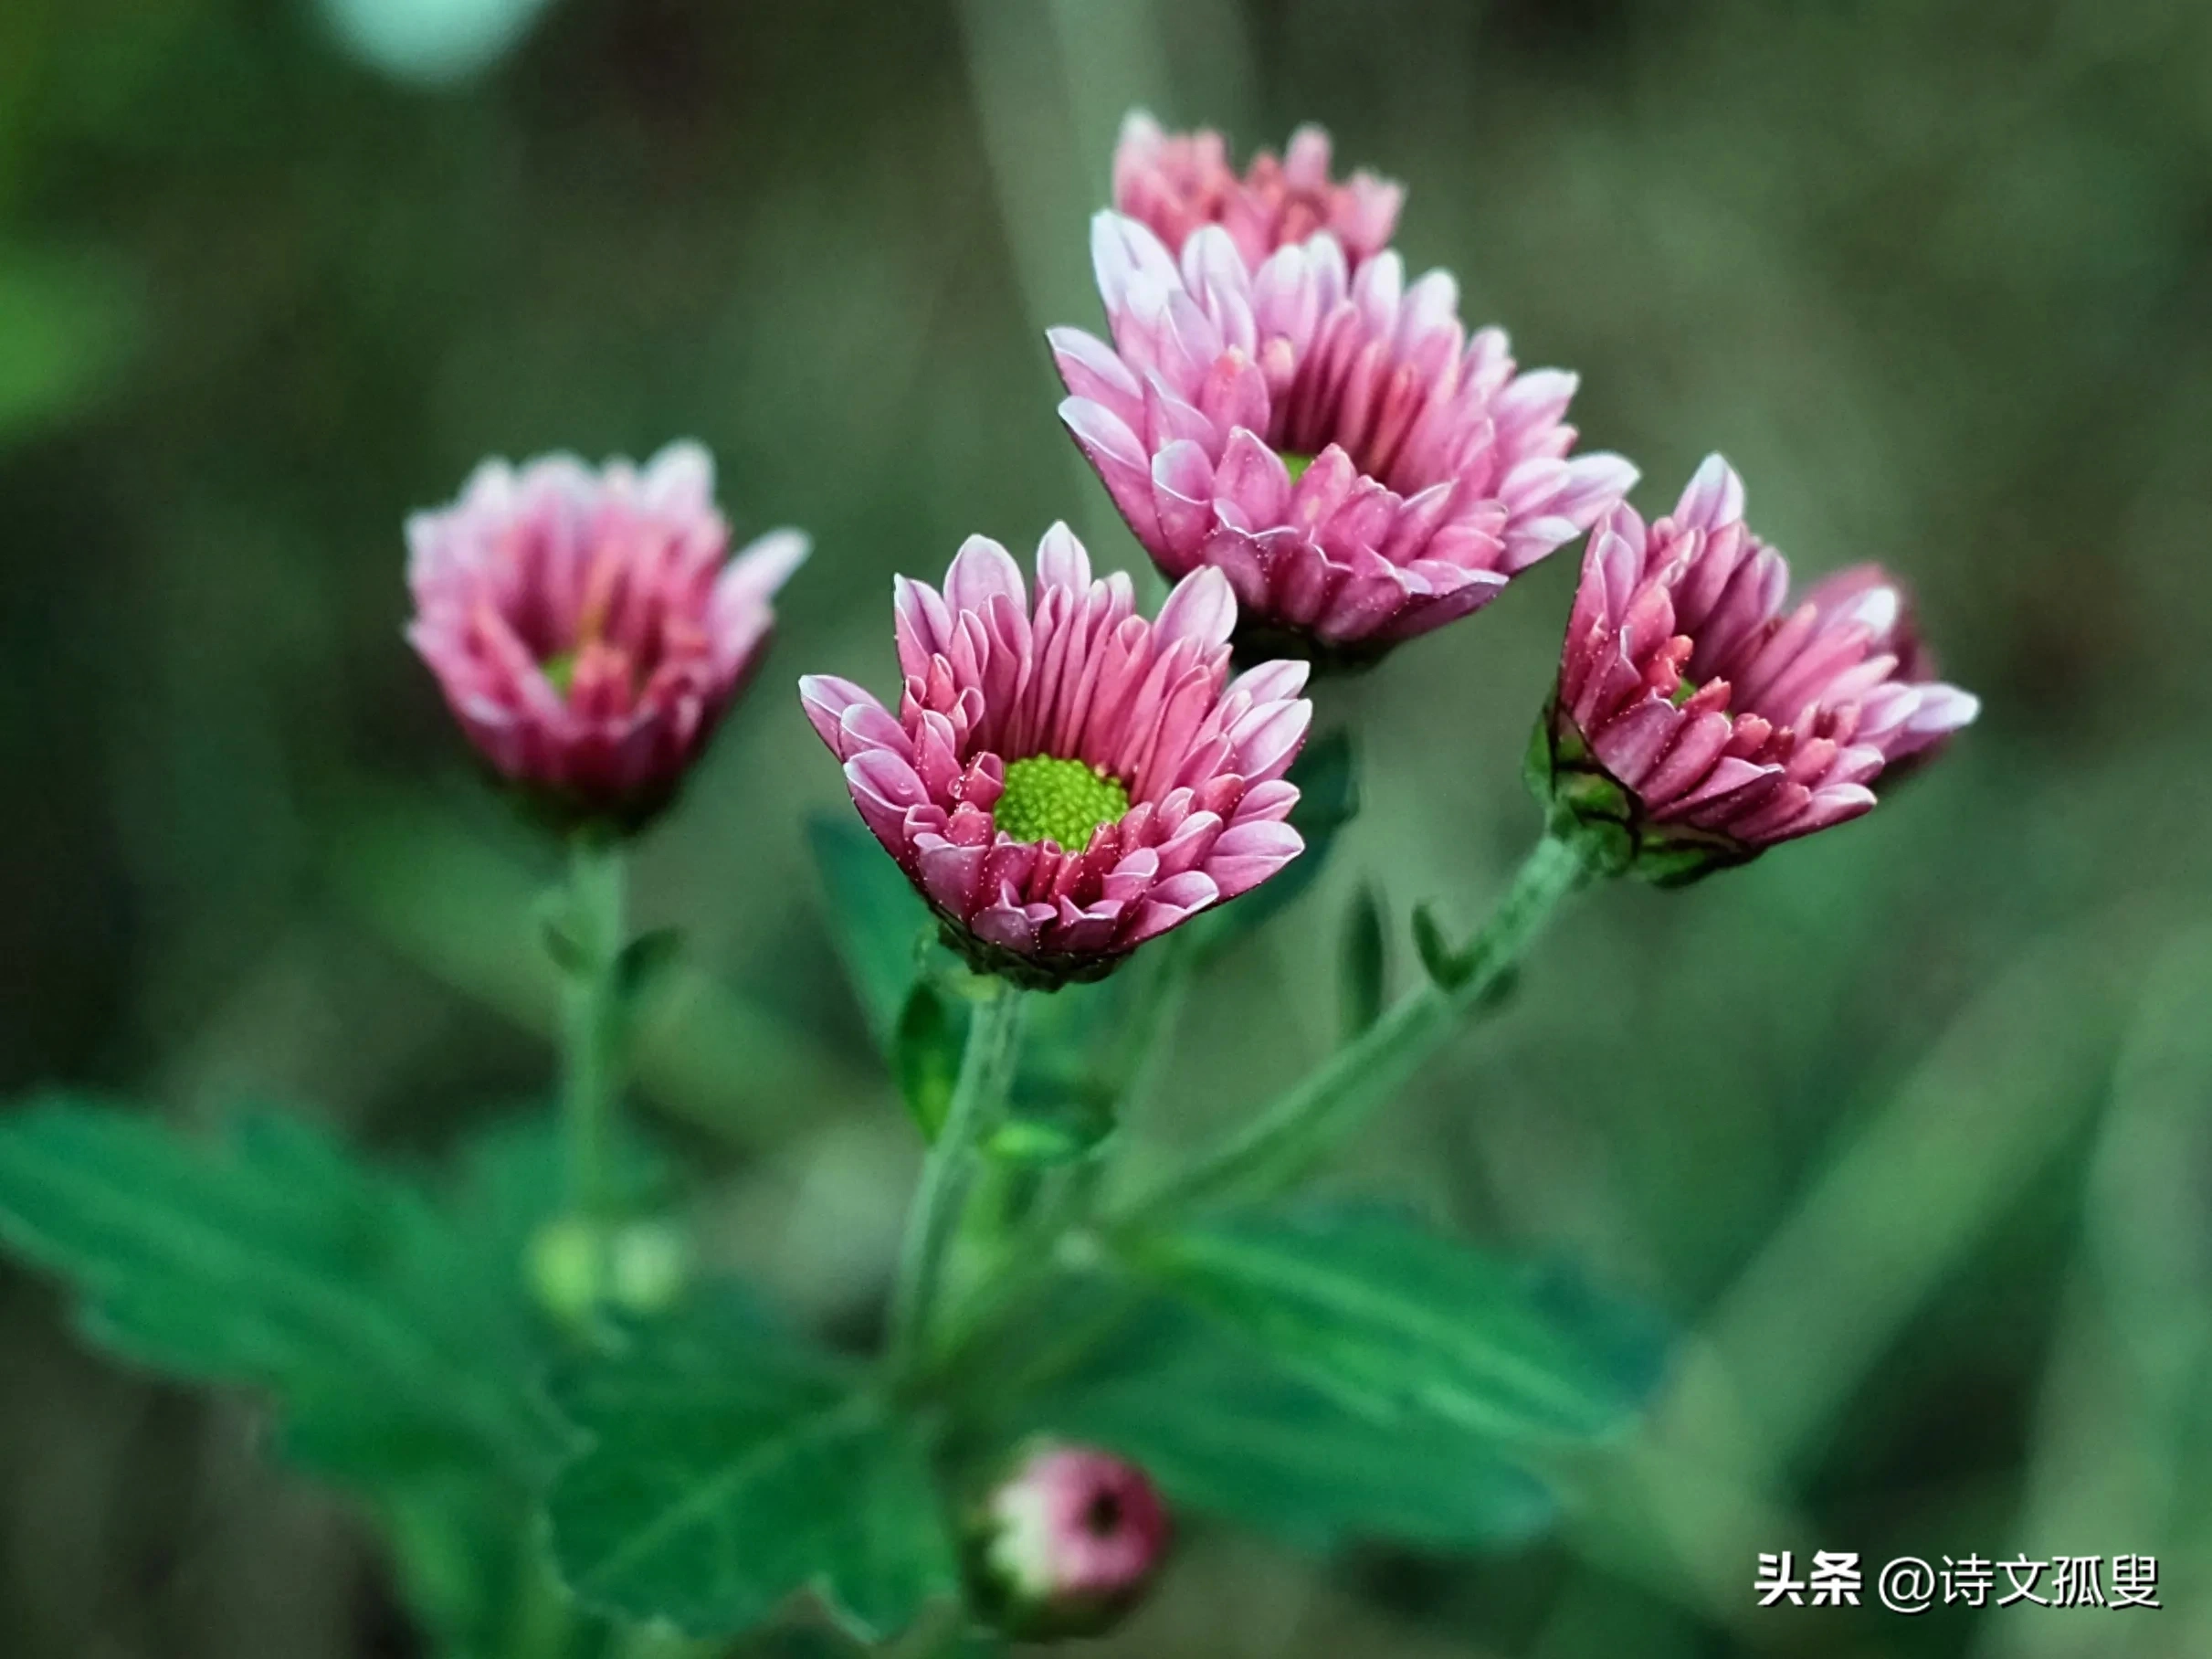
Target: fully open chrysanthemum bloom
(585, 626)
(1698, 722)
(1359, 469)
(1177, 183)
(1066, 782)
(1069, 1542)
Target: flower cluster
(1327, 462)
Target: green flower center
(1684, 690)
(560, 670)
(1048, 799)
(1296, 463)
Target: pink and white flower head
(1069, 1542)
(1065, 779)
(1699, 721)
(585, 626)
(1360, 469)
(1177, 183)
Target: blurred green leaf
(67, 321)
(1364, 962)
(925, 1055)
(1410, 1328)
(645, 964)
(1327, 774)
(389, 1340)
(732, 1467)
(877, 919)
(1228, 1430)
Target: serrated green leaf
(876, 920)
(270, 1260)
(1409, 1327)
(732, 1468)
(1227, 1430)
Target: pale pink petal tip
(587, 625)
(1277, 401)
(1164, 777)
(1178, 184)
(1732, 717)
(1068, 1541)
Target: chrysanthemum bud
(1067, 1543)
(1178, 182)
(585, 626)
(1697, 723)
(1066, 779)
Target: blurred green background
(1910, 1126)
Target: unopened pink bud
(1069, 1542)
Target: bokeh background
(1909, 1126)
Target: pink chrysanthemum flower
(1177, 183)
(1698, 715)
(1065, 782)
(585, 626)
(1361, 470)
(1069, 1542)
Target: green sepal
(1586, 805)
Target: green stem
(1284, 1141)
(592, 1023)
(986, 1073)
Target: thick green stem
(986, 1073)
(592, 1023)
(1285, 1140)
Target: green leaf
(67, 322)
(1226, 1431)
(925, 1055)
(644, 965)
(1364, 962)
(732, 1468)
(1449, 967)
(877, 919)
(269, 1259)
(1327, 774)
(1409, 1327)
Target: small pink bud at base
(1067, 1544)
